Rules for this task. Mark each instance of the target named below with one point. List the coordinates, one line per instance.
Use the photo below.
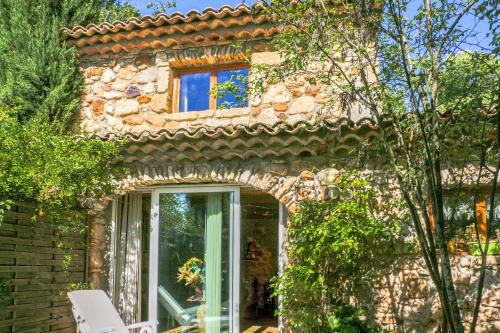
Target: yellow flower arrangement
(192, 272)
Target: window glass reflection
(233, 88)
(194, 92)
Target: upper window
(210, 88)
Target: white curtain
(126, 266)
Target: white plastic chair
(94, 313)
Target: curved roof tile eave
(233, 131)
(161, 19)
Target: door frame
(235, 228)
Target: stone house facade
(260, 159)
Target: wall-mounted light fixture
(331, 176)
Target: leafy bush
(42, 161)
(334, 247)
(39, 164)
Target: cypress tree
(39, 74)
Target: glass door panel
(194, 262)
(259, 263)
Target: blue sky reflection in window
(231, 92)
(233, 88)
(194, 92)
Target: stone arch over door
(284, 181)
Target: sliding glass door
(194, 259)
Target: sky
(184, 6)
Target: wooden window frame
(481, 217)
(212, 69)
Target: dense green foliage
(116, 10)
(469, 82)
(39, 74)
(51, 169)
(43, 160)
(334, 248)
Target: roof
(163, 19)
(211, 26)
(237, 130)
(261, 141)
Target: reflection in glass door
(193, 232)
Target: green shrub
(334, 248)
(53, 170)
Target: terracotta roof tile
(161, 20)
(253, 130)
(246, 142)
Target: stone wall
(131, 93)
(405, 300)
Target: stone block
(112, 94)
(159, 103)
(218, 122)
(149, 88)
(229, 113)
(302, 104)
(133, 92)
(127, 73)
(98, 107)
(322, 98)
(109, 108)
(127, 107)
(244, 120)
(119, 86)
(266, 58)
(307, 175)
(147, 75)
(97, 88)
(277, 93)
(268, 116)
(95, 71)
(87, 113)
(297, 92)
(255, 111)
(133, 120)
(282, 116)
(143, 99)
(108, 75)
(88, 98)
(162, 84)
(313, 90)
(155, 119)
(281, 107)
